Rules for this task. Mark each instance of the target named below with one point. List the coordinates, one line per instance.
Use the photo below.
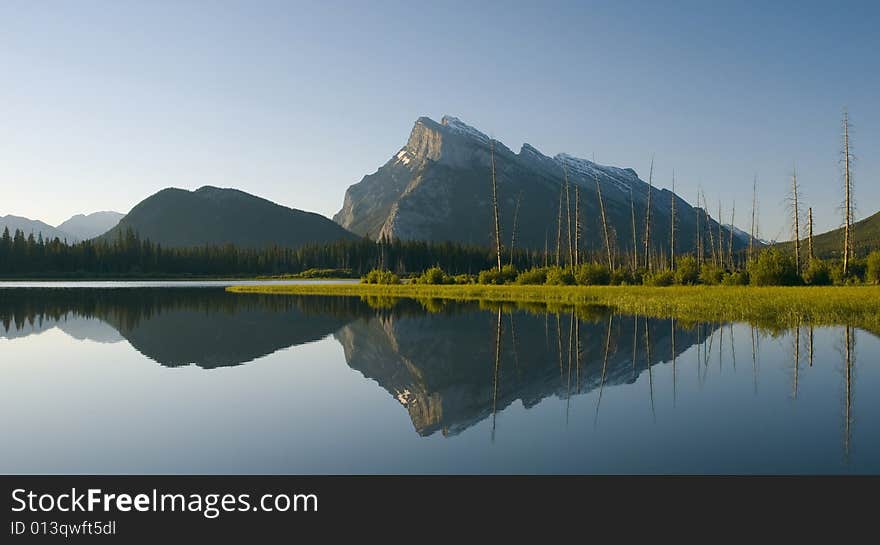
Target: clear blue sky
(105, 103)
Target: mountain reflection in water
(450, 365)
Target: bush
(377, 276)
(872, 273)
(593, 274)
(737, 278)
(711, 274)
(507, 275)
(659, 278)
(773, 268)
(537, 275)
(434, 275)
(687, 270)
(622, 276)
(558, 276)
(818, 273)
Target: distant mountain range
(75, 229)
(210, 215)
(85, 227)
(437, 187)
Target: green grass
(772, 306)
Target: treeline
(24, 255)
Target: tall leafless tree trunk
(709, 228)
(648, 218)
(559, 230)
(698, 241)
(577, 224)
(847, 187)
(495, 207)
(515, 219)
(810, 232)
(604, 223)
(730, 237)
(720, 238)
(754, 205)
(672, 225)
(632, 206)
(568, 214)
(796, 222)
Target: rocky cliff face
(437, 187)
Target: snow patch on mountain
(457, 125)
(622, 179)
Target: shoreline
(779, 306)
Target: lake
(155, 379)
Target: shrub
(537, 275)
(773, 268)
(622, 276)
(559, 276)
(687, 270)
(434, 275)
(506, 275)
(711, 274)
(736, 278)
(593, 274)
(818, 273)
(659, 278)
(377, 276)
(872, 273)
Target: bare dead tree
(810, 232)
(709, 228)
(515, 219)
(568, 213)
(730, 236)
(847, 187)
(720, 237)
(754, 206)
(495, 207)
(648, 217)
(632, 206)
(604, 222)
(559, 229)
(698, 239)
(796, 221)
(577, 224)
(672, 225)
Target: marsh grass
(769, 306)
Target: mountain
(84, 227)
(210, 215)
(437, 187)
(36, 227)
(865, 233)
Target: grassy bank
(781, 306)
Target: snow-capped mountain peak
(461, 127)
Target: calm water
(196, 380)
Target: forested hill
(176, 218)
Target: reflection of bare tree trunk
(797, 357)
(604, 366)
(650, 374)
(732, 347)
(811, 345)
(513, 343)
(672, 322)
(497, 370)
(754, 360)
(849, 347)
(635, 344)
(559, 344)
